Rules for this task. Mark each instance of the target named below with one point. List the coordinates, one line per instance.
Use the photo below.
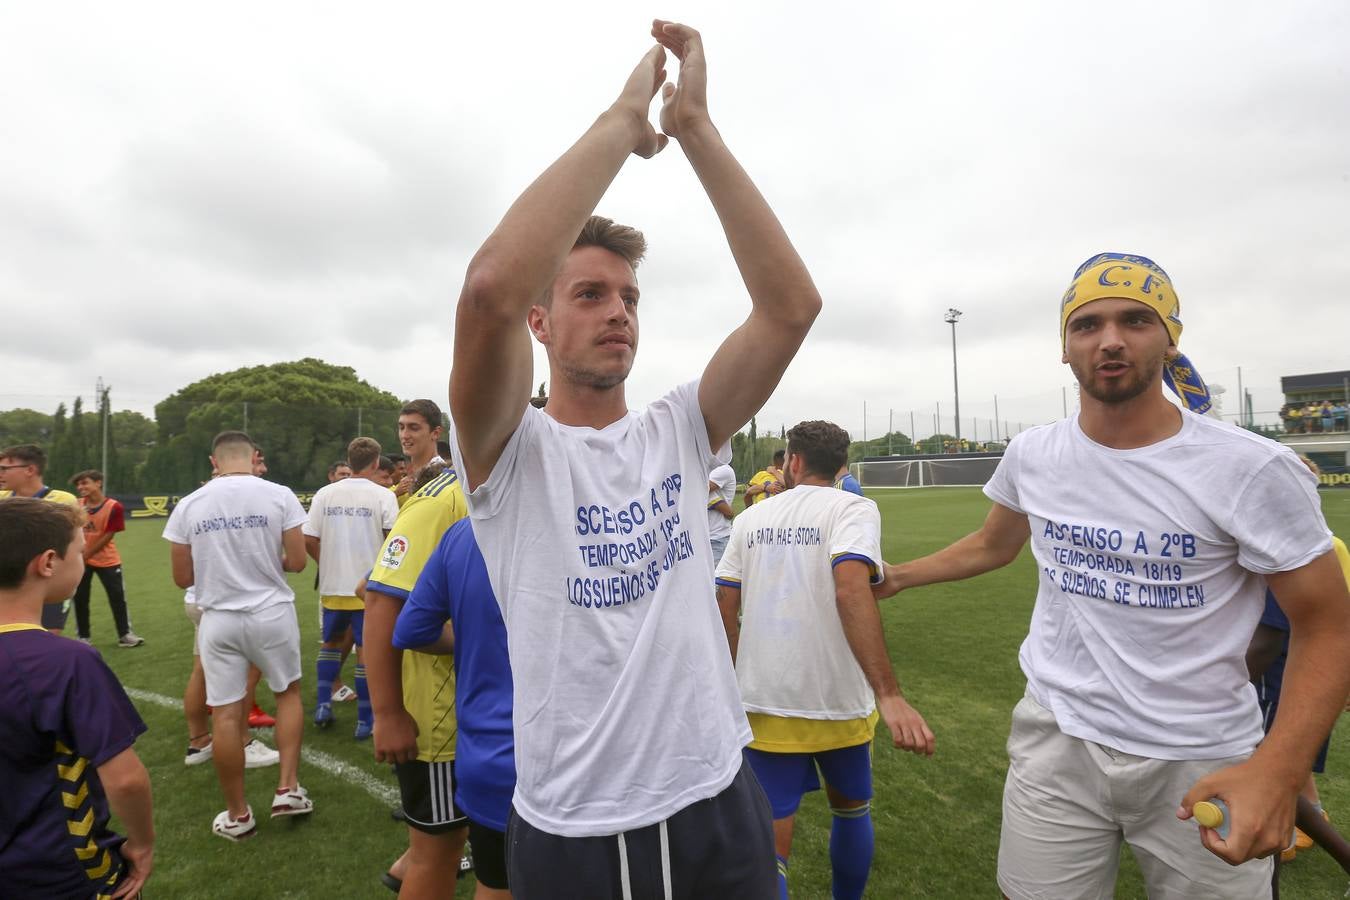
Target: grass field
(937, 821)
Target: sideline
(381, 791)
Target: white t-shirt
(719, 526)
(349, 517)
(596, 544)
(234, 525)
(793, 658)
(1149, 567)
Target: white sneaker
(344, 694)
(234, 829)
(258, 755)
(198, 755)
(130, 639)
(292, 802)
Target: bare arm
(724, 508)
(312, 547)
(861, 619)
(127, 786)
(395, 730)
(180, 560)
(1263, 650)
(996, 544)
(492, 375)
(1260, 792)
(784, 301)
(293, 550)
(729, 602)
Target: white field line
(380, 790)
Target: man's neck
(1144, 420)
(585, 407)
(94, 498)
(815, 481)
(29, 490)
(21, 605)
(419, 461)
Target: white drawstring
(665, 861)
(623, 869)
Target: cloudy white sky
(188, 188)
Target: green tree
(25, 426)
(301, 413)
(60, 460)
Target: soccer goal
(967, 470)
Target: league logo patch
(394, 550)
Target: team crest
(394, 550)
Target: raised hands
(636, 99)
(684, 106)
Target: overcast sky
(189, 188)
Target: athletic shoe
(197, 755)
(85, 640)
(259, 719)
(234, 829)
(323, 715)
(258, 755)
(130, 639)
(292, 802)
(363, 730)
(344, 694)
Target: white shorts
(269, 638)
(194, 614)
(1068, 803)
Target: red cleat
(259, 719)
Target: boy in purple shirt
(66, 760)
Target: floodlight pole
(951, 318)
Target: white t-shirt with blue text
(234, 525)
(1149, 565)
(719, 526)
(350, 518)
(793, 658)
(596, 545)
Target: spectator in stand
(1338, 413)
(1312, 418)
(104, 517)
(1328, 418)
(1293, 418)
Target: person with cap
(1155, 532)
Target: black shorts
(719, 847)
(489, 855)
(428, 794)
(54, 615)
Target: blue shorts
(335, 622)
(785, 777)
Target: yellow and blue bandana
(1130, 277)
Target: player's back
(350, 518)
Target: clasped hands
(684, 106)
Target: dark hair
(28, 454)
(780, 454)
(386, 465)
(91, 474)
(396, 458)
(362, 452)
(427, 409)
(28, 529)
(426, 476)
(443, 450)
(231, 437)
(332, 470)
(621, 240)
(823, 445)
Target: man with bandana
(1155, 532)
